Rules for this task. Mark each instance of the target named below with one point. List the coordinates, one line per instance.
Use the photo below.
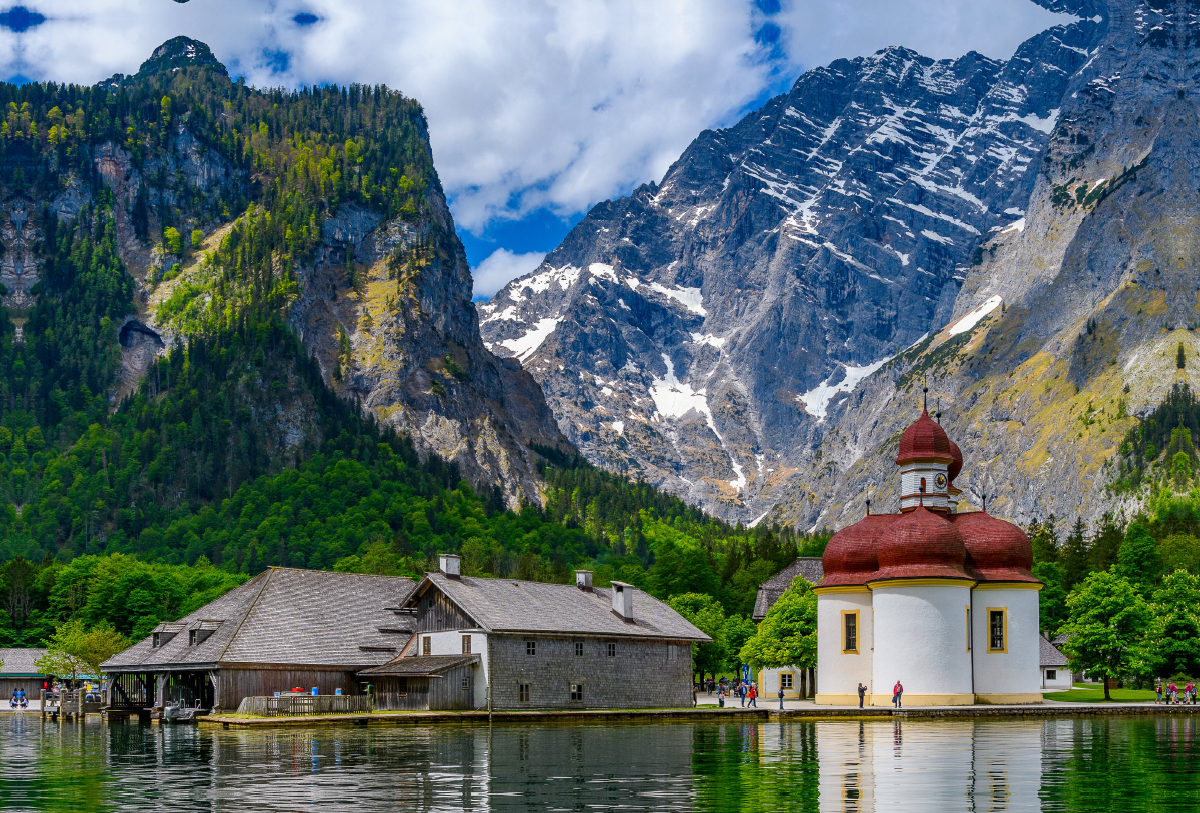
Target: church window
(850, 631)
(922, 485)
(968, 627)
(997, 629)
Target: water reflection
(1003, 764)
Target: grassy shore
(1094, 693)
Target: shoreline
(414, 718)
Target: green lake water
(1076, 764)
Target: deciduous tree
(1108, 618)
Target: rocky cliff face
(413, 360)
(720, 333)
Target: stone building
(535, 645)
(797, 683)
(943, 602)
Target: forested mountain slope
(205, 283)
(754, 330)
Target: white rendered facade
(915, 631)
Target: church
(943, 602)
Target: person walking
(1158, 693)
(862, 694)
(742, 694)
(753, 696)
(781, 698)
(897, 693)
(1174, 689)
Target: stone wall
(642, 674)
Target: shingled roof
(288, 617)
(1050, 655)
(19, 662)
(770, 590)
(419, 667)
(506, 605)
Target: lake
(1076, 764)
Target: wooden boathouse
(282, 630)
(19, 672)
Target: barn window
(523, 692)
(466, 684)
(426, 645)
(531, 647)
(576, 692)
(579, 649)
(466, 644)
(612, 650)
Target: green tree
(738, 630)
(1138, 560)
(1045, 541)
(1173, 642)
(1108, 618)
(787, 635)
(704, 612)
(74, 650)
(172, 240)
(1075, 556)
(1052, 600)
(197, 238)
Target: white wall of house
(450, 642)
(1056, 677)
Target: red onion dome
(999, 551)
(921, 545)
(849, 557)
(924, 440)
(957, 463)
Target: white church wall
(1012, 675)
(920, 634)
(841, 672)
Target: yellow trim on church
(839, 588)
(1009, 586)
(921, 583)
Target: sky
(538, 109)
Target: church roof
(924, 440)
(928, 544)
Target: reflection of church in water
(943, 602)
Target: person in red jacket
(897, 691)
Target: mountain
(753, 332)
(204, 283)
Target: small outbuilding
(281, 630)
(1056, 672)
(18, 671)
(797, 682)
(536, 645)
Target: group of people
(745, 691)
(18, 700)
(1170, 694)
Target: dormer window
(161, 639)
(199, 636)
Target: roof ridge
(249, 609)
(335, 572)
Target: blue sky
(538, 109)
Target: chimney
(622, 598)
(583, 580)
(450, 565)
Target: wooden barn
(281, 630)
(18, 672)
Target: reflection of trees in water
(855, 766)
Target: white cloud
(531, 103)
(500, 267)
(820, 31)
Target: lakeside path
(793, 710)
